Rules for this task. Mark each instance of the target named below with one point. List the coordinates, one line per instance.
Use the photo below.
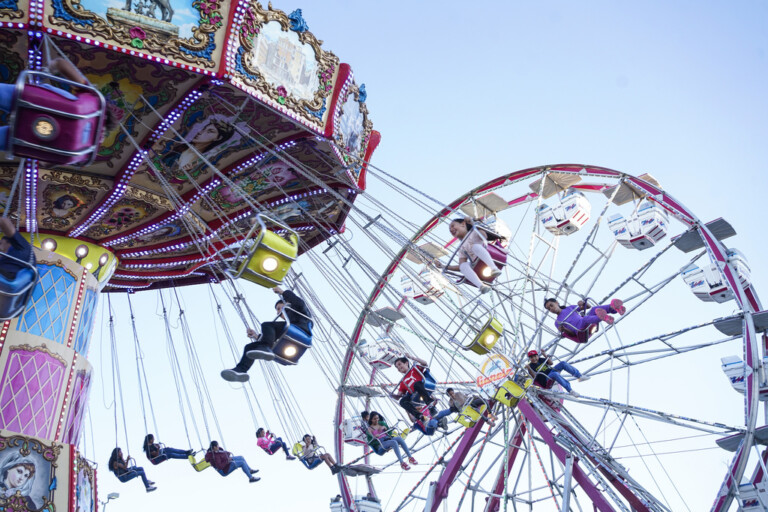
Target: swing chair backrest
(265, 259)
(47, 124)
(199, 465)
(469, 416)
(292, 343)
(161, 457)
(15, 293)
(580, 336)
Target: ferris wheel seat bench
(709, 285)
(735, 370)
(353, 431)
(53, 125)
(14, 293)
(568, 215)
(510, 392)
(643, 229)
(292, 345)
(469, 416)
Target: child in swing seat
(225, 463)
(267, 441)
(157, 454)
(312, 458)
(473, 247)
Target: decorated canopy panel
(225, 111)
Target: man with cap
(541, 369)
(290, 305)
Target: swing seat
(266, 259)
(469, 416)
(48, 124)
(298, 451)
(580, 336)
(292, 345)
(487, 337)
(430, 384)
(483, 271)
(14, 293)
(198, 465)
(510, 393)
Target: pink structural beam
(454, 465)
(590, 489)
(494, 501)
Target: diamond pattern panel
(31, 385)
(80, 392)
(85, 326)
(48, 309)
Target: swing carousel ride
(242, 146)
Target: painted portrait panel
(84, 501)
(27, 469)
(272, 174)
(285, 61)
(208, 137)
(63, 204)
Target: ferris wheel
(576, 234)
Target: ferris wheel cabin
(641, 230)
(362, 504)
(568, 215)
(707, 282)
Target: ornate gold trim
(40, 348)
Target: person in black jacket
(289, 305)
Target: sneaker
(254, 479)
(405, 466)
(263, 352)
(618, 305)
(574, 394)
(150, 482)
(602, 315)
(495, 273)
(290, 457)
(190, 452)
(151, 488)
(485, 288)
(254, 471)
(584, 377)
(413, 461)
(335, 469)
(443, 423)
(234, 376)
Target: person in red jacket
(225, 463)
(412, 387)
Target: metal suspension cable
(142, 374)
(117, 385)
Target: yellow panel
(270, 250)
(510, 393)
(469, 416)
(102, 261)
(487, 338)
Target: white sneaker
(584, 377)
(574, 394)
(496, 272)
(234, 376)
(485, 288)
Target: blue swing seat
(14, 293)
(292, 345)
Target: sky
(462, 93)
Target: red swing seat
(579, 336)
(499, 255)
(47, 124)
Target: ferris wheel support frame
(494, 501)
(745, 298)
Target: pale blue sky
(463, 92)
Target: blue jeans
(429, 428)
(132, 473)
(396, 443)
(278, 443)
(442, 414)
(237, 462)
(554, 374)
(173, 453)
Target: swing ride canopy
(236, 110)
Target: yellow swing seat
(268, 257)
(486, 338)
(510, 393)
(199, 465)
(469, 416)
